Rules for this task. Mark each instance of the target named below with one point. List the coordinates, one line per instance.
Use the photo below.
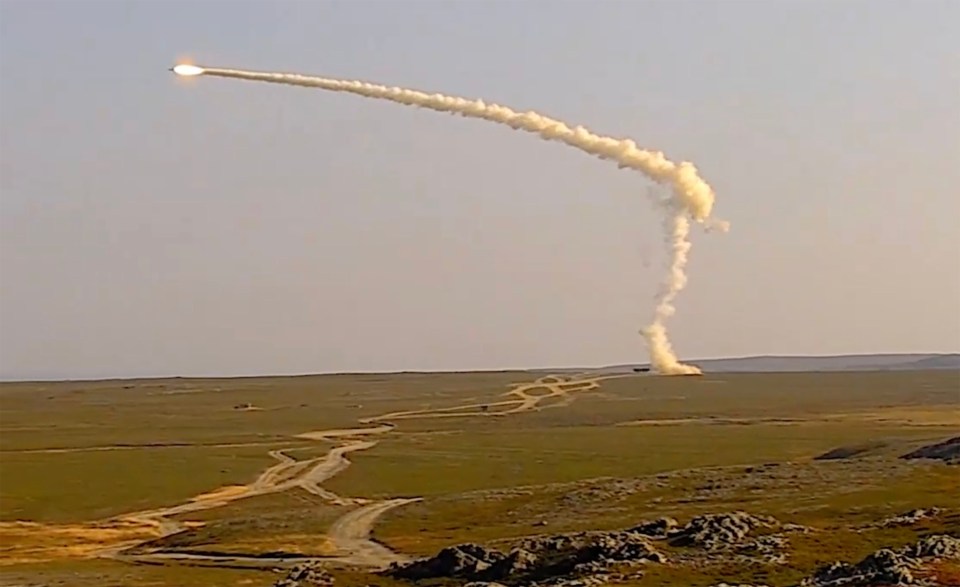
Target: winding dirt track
(557, 387)
(350, 534)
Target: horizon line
(462, 371)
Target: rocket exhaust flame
(186, 69)
(691, 197)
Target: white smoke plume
(691, 197)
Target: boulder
(947, 451)
(911, 517)
(887, 566)
(717, 531)
(306, 575)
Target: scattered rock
(518, 562)
(947, 451)
(887, 566)
(583, 559)
(466, 561)
(306, 576)
(599, 491)
(571, 560)
(882, 567)
(940, 546)
(659, 528)
(594, 581)
(766, 549)
(491, 494)
(717, 531)
(911, 517)
(797, 528)
(849, 452)
(585, 548)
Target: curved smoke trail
(691, 197)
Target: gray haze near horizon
(797, 364)
(158, 226)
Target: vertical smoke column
(691, 197)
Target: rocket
(186, 69)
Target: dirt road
(557, 387)
(350, 534)
(285, 475)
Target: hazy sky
(160, 226)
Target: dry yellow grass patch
(30, 542)
(225, 492)
(947, 415)
(305, 544)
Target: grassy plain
(81, 452)
(77, 486)
(85, 450)
(291, 522)
(494, 459)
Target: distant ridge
(754, 364)
(803, 364)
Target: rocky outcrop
(911, 517)
(941, 546)
(718, 531)
(766, 549)
(306, 576)
(566, 559)
(883, 567)
(849, 452)
(908, 565)
(659, 528)
(888, 566)
(585, 558)
(617, 546)
(464, 561)
(599, 491)
(947, 451)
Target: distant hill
(757, 364)
(784, 364)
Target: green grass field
(201, 411)
(76, 453)
(496, 459)
(79, 486)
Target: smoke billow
(691, 198)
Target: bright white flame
(185, 69)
